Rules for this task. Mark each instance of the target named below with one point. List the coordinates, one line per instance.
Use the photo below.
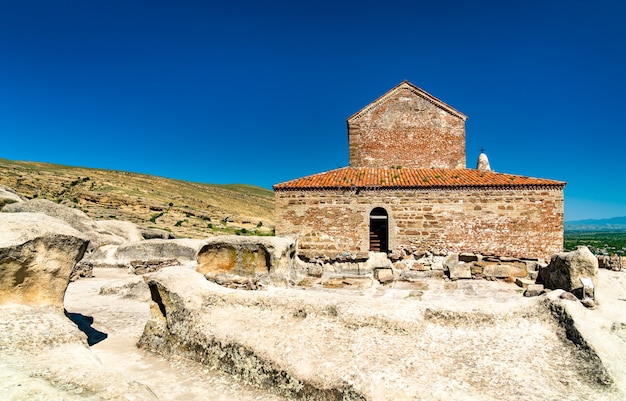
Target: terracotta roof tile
(399, 177)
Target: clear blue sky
(258, 92)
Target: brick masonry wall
(335, 223)
(407, 130)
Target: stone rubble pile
(612, 262)
(235, 282)
(140, 267)
(83, 269)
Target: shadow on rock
(84, 324)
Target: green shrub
(155, 216)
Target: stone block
(378, 260)
(383, 275)
(476, 269)
(450, 260)
(532, 266)
(403, 264)
(524, 282)
(347, 282)
(314, 270)
(588, 303)
(568, 296)
(567, 268)
(533, 290)
(460, 270)
(504, 271)
(437, 265)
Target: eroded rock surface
(322, 345)
(37, 255)
(127, 231)
(8, 195)
(97, 235)
(44, 356)
(184, 251)
(269, 260)
(567, 268)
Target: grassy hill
(186, 209)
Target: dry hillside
(186, 209)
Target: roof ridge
(418, 91)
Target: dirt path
(121, 319)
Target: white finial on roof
(483, 161)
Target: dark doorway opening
(379, 230)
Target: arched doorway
(379, 230)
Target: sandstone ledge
(317, 345)
(44, 356)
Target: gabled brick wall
(408, 128)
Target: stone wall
(335, 223)
(409, 130)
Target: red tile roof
(402, 177)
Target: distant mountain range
(614, 223)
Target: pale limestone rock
(96, 234)
(37, 256)
(567, 268)
(44, 356)
(271, 260)
(524, 282)
(184, 250)
(568, 296)
(127, 231)
(459, 270)
(318, 345)
(533, 290)
(377, 260)
(383, 275)
(588, 303)
(7, 195)
(504, 271)
(153, 233)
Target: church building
(407, 186)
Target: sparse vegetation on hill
(185, 209)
